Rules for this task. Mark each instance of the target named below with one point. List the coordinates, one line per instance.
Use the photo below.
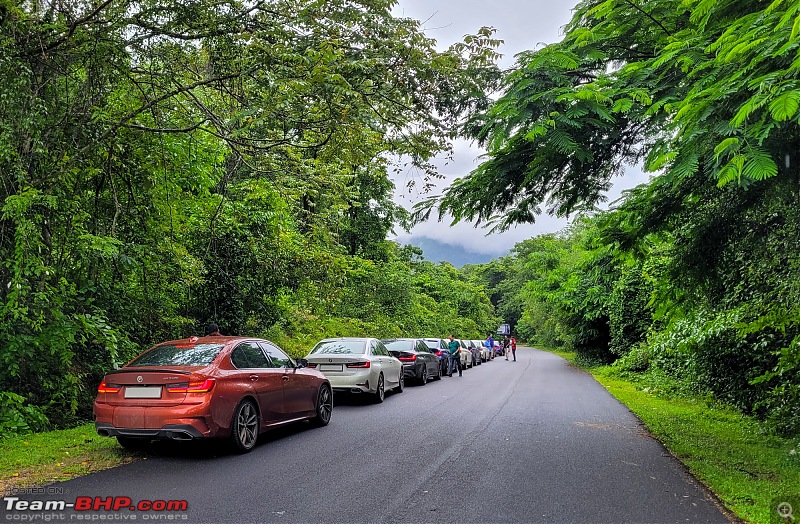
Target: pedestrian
(212, 330)
(507, 346)
(455, 358)
(489, 348)
(514, 348)
(490, 339)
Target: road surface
(529, 441)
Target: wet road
(529, 441)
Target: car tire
(244, 427)
(324, 407)
(401, 382)
(380, 391)
(438, 373)
(423, 379)
(133, 443)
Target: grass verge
(41, 458)
(737, 457)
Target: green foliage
(17, 416)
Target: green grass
(736, 456)
(41, 458)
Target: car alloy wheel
(244, 431)
(401, 382)
(424, 378)
(324, 406)
(438, 373)
(379, 391)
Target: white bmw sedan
(357, 365)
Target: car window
(277, 356)
(381, 349)
(422, 348)
(179, 355)
(248, 355)
(400, 345)
(339, 347)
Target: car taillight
(200, 386)
(359, 364)
(439, 353)
(108, 388)
(408, 358)
(310, 365)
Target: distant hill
(436, 251)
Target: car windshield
(399, 345)
(340, 347)
(179, 355)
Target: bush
(17, 416)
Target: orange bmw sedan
(209, 387)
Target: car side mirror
(302, 363)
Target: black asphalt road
(529, 441)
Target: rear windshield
(400, 345)
(340, 347)
(179, 355)
(432, 343)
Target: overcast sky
(522, 24)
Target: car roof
(349, 339)
(210, 340)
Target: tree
(705, 91)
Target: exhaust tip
(103, 433)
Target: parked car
(484, 351)
(358, 365)
(439, 347)
(467, 358)
(209, 387)
(419, 362)
(498, 349)
(475, 348)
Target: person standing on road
(514, 348)
(490, 340)
(455, 359)
(507, 347)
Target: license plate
(330, 367)
(142, 391)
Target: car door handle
(253, 377)
(285, 378)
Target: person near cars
(455, 359)
(514, 348)
(507, 346)
(212, 330)
(490, 343)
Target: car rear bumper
(360, 382)
(168, 432)
(173, 422)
